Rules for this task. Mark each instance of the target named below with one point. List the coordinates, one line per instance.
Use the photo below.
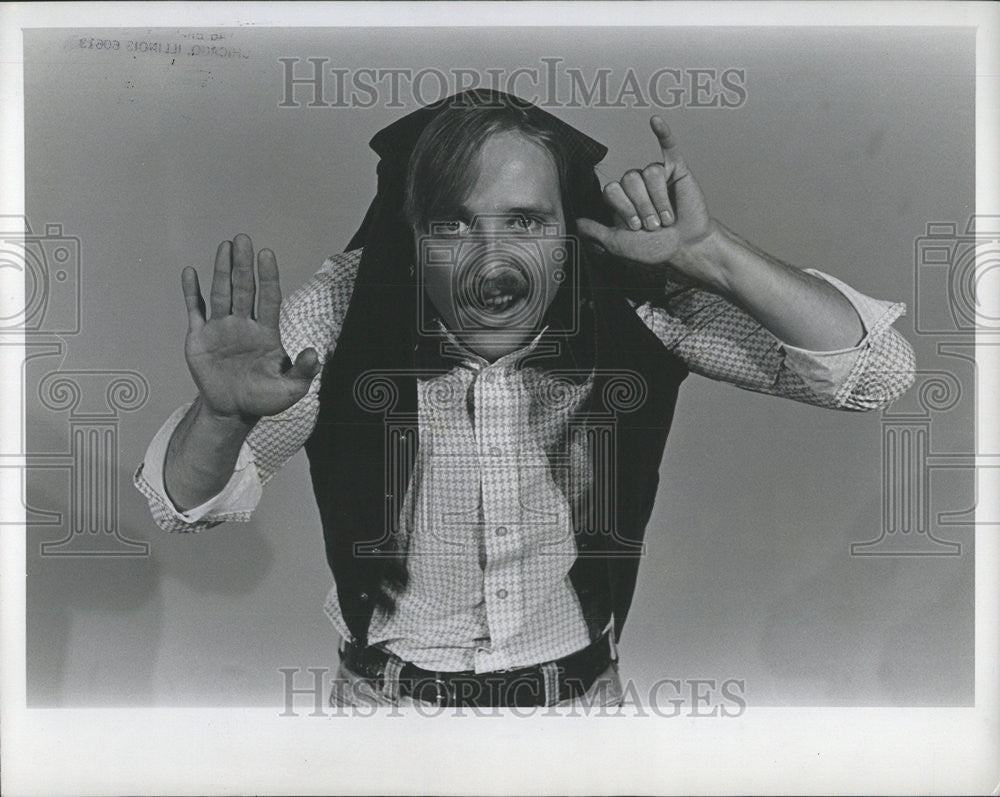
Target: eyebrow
(519, 210)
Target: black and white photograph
(500, 398)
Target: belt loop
(390, 677)
(550, 676)
(442, 695)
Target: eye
(523, 223)
(452, 227)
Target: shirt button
(501, 530)
(495, 451)
(501, 593)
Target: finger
(605, 236)
(306, 365)
(655, 178)
(680, 182)
(667, 140)
(616, 198)
(243, 281)
(192, 298)
(674, 163)
(684, 191)
(221, 277)
(635, 189)
(269, 292)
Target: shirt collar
(508, 359)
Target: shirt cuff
(235, 501)
(827, 371)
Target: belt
(538, 685)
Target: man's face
(494, 269)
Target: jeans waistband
(542, 684)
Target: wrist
(223, 424)
(708, 256)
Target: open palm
(236, 357)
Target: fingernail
(667, 218)
(652, 221)
(634, 223)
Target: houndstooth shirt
(489, 534)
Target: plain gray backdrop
(849, 142)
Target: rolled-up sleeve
(719, 340)
(236, 501)
(870, 375)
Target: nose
(494, 245)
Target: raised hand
(660, 214)
(236, 357)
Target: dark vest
(635, 393)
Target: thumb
(306, 365)
(596, 232)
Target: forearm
(201, 456)
(796, 307)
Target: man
(485, 396)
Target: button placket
(497, 411)
(488, 490)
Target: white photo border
(203, 751)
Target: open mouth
(501, 289)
